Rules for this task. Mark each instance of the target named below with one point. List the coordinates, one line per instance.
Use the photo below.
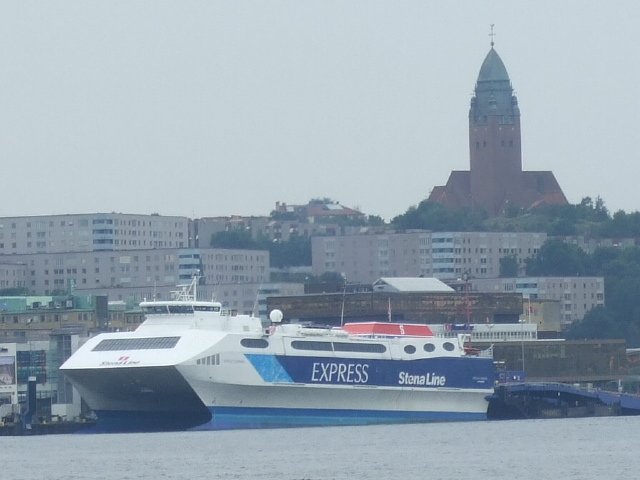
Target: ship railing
(487, 352)
(188, 292)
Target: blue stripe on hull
(227, 418)
(135, 421)
(244, 417)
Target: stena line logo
(428, 380)
(121, 361)
(333, 372)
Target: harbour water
(586, 448)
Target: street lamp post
(344, 294)
(524, 319)
(522, 342)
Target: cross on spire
(492, 34)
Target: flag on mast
(389, 310)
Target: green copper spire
(493, 70)
(493, 92)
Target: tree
(559, 227)
(621, 225)
(509, 266)
(375, 221)
(599, 322)
(435, 216)
(233, 239)
(558, 258)
(296, 251)
(601, 212)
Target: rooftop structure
(316, 211)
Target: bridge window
(254, 343)
(118, 344)
(206, 308)
(180, 309)
(155, 310)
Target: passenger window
(449, 347)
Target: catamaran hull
(254, 391)
(243, 406)
(139, 399)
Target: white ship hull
(242, 406)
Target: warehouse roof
(410, 284)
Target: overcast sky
(206, 108)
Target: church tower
(495, 179)
(494, 138)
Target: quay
(558, 400)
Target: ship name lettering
(332, 372)
(429, 380)
(119, 363)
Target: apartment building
(91, 232)
(49, 273)
(126, 257)
(13, 275)
(443, 255)
(576, 295)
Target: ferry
(191, 365)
